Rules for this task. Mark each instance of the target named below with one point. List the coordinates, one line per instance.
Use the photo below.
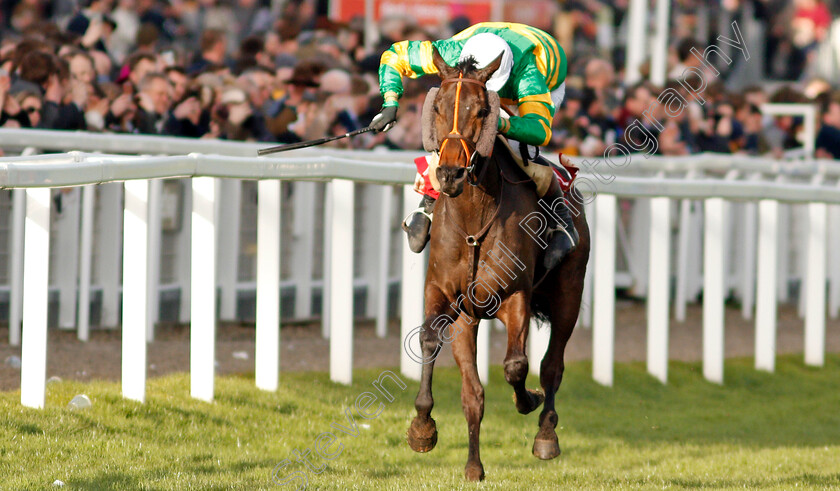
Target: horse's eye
(435, 109)
(483, 112)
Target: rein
(467, 144)
(474, 240)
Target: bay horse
(483, 265)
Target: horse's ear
(445, 71)
(485, 73)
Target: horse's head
(461, 108)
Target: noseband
(467, 144)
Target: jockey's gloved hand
(385, 120)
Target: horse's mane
(467, 66)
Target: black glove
(384, 121)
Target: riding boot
(418, 223)
(563, 238)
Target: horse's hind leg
(515, 313)
(422, 434)
(568, 288)
(472, 396)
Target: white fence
(762, 192)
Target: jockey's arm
(536, 110)
(410, 59)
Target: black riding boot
(563, 236)
(418, 223)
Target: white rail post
(834, 261)
(638, 234)
(765, 310)
(304, 240)
(85, 261)
(203, 289)
(538, 340)
(684, 255)
(482, 350)
(748, 261)
(603, 329)
(783, 268)
(227, 260)
(36, 264)
(800, 217)
(326, 267)
(815, 286)
(110, 250)
(16, 259)
(267, 350)
(341, 282)
(184, 247)
(637, 33)
(384, 256)
(658, 291)
(67, 256)
(369, 225)
(713, 290)
(153, 265)
(135, 289)
(659, 55)
(411, 296)
(16, 269)
(681, 293)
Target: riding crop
(310, 143)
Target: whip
(310, 143)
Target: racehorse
(483, 265)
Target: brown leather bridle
(467, 144)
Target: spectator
(31, 104)
(284, 112)
(213, 51)
(828, 137)
(137, 66)
(11, 114)
(237, 119)
(153, 101)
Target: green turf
(760, 430)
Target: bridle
(467, 144)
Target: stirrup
(562, 228)
(420, 210)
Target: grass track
(776, 431)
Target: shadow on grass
(796, 406)
(814, 480)
(106, 480)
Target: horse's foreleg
(422, 434)
(515, 313)
(472, 396)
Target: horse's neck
(478, 202)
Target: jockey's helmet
(486, 47)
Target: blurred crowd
(281, 71)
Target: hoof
(546, 449)
(422, 436)
(535, 398)
(474, 472)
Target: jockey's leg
(561, 228)
(418, 223)
(564, 236)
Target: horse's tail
(540, 310)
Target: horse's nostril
(460, 173)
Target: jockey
(531, 78)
